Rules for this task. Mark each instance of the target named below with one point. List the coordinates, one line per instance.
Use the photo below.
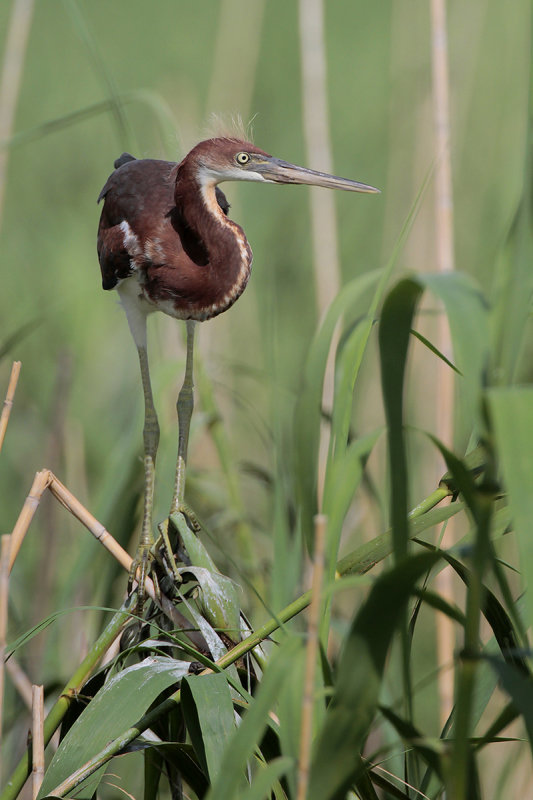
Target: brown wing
(137, 196)
(139, 225)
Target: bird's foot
(165, 552)
(190, 516)
(166, 557)
(141, 568)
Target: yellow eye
(242, 158)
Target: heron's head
(226, 159)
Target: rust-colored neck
(214, 242)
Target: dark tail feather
(123, 159)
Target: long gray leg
(136, 314)
(143, 557)
(185, 407)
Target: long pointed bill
(279, 171)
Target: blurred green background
(147, 77)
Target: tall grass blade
(359, 676)
(394, 331)
(209, 731)
(308, 410)
(341, 415)
(467, 314)
(241, 746)
(344, 477)
(512, 413)
(516, 279)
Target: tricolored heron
(165, 243)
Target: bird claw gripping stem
(142, 563)
(164, 553)
(190, 517)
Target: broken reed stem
(306, 725)
(8, 402)
(40, 483)
(47, 480)
(37, 739)
(77, 509)
(4, 591)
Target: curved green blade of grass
(241, 746)
(354, 350)
(512, 414)
(436, 352)
(394, 333)
(344, 477)
(360, 673)
(27, 636)
(467, 315)
(290, 715)
(480, 502)
(114, 708)
(209, 730)
(308, 411)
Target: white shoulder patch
(131, 241)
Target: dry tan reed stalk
(445, 263)
(4, 591)
(316, 132)
(37, 739)
(72, 504)
(39, 485)
(77, 509)
(19, 679)
(326, 263)
(306, 726)
(8, 402)
(13, 64)
(45, 479)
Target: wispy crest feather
(230, 126)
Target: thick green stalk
(429, 502)
(58, 711)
